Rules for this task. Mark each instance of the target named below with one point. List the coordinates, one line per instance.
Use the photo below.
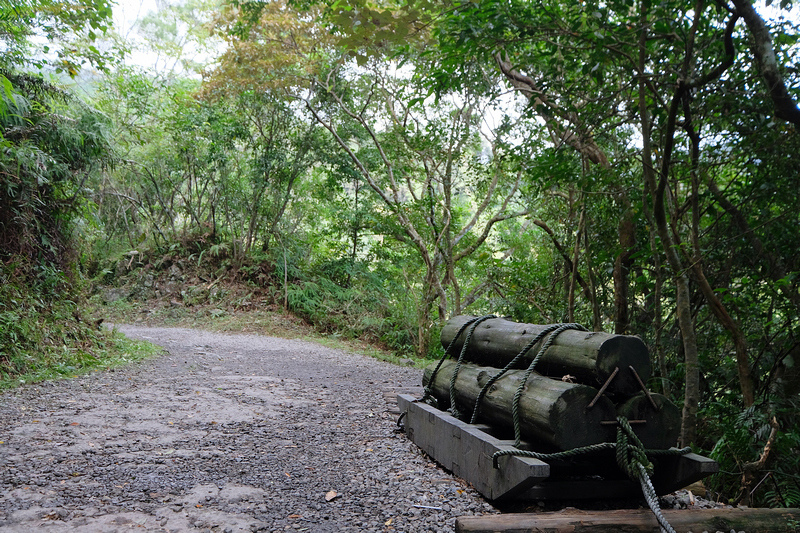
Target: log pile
(580, 383)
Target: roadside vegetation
(362, 172)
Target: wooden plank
(635, 521)
(671, 473)
(466, 450)
(675, 472)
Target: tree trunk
(766, 62)
(551, 411)
(590, 358)
(626, 231)
(574, 270)
(719, 309)
(657, 188)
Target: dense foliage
(377, 169)
(52, 147)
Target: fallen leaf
(388, 522)
(331, 495)
(294, 516)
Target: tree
(70, 28)
(572, 63)
(46, 161)
(175, 37)
(424, 165)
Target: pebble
(254, 445)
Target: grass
(114, 350)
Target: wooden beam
(634, 521)
(466, 450)
(673, 472)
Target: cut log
(662, 420)
(589, 357)
(552, 412)
(634, 520)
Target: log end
(631, 356)
(662, 421)
(575, 424)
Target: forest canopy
(377, 168)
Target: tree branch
(767, 63)
(582, 143)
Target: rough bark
(552, 412)
(589, 358)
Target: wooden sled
(466, 450)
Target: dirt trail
(223, 433)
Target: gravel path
(224, 433)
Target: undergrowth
(744, 437)
(194, 283)
(49, 338)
